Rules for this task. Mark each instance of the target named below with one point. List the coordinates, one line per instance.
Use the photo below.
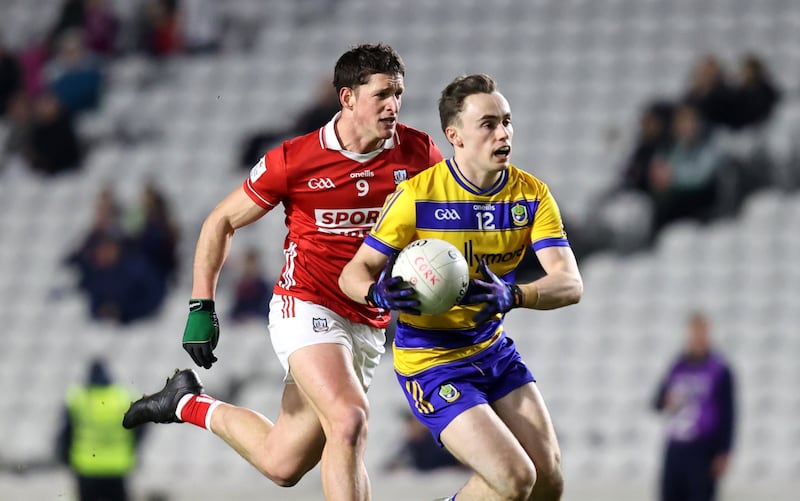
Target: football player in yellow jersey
(461, 374)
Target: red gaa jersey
(331, 198)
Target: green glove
(202, 332)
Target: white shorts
(294, 324)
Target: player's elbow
(218, 224)
(343, 281)
(576, 291)
(570, 291)
(343, 286)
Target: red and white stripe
(287, 277)
(287, 306)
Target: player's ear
(347, 97)
(453, 136)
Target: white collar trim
(328, 140)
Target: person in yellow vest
(92, 441)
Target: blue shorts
(439, 394)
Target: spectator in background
(99, 451)
(74, 75)
(655, 126)
(709, 92)
(121, 284)
(697, 395)
(105, 223)
(100, 27)
(42, 137)
(419, 449)
(754, 95)
(94, 19)
(253, 290)
(159, 30)
(324, 106)
(124, 267)
(682, 177)
(54, 144)
(70, 18)
(32, 60)
(153, 232)
(16, 148)
(10, 78)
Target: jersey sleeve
(396, 225)
(548, 229)
(266, 185)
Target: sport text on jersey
(349, 222)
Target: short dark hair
(358, 64)
(451, 102)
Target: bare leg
(283, 451)
(503, 471)
(525, 413)
(325, 375)
(323, 417)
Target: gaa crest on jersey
(400, 175)
(449, 392)
(320, 324)
(519, 214)
(257, 170)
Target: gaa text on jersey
(321, 183)
(446, 215)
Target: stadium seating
(572, 71)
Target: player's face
(377, 104)
(485, 132)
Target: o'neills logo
(360, 175)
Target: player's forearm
(355, 281)
(552, 291)
(213, 246)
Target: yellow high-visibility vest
(100, 445)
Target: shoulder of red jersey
(406, 132)
(315, 137)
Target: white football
(437, 271)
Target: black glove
(392, 293)
(202, 332)
(499, 296)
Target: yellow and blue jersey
(496, 224)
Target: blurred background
(668, 130)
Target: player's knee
(550, 482)
(286, 480)
(348, 426)
(284, 475)
(519, 482)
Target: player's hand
(202, 332)
(392, 293)
(498, 295)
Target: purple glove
(499, 296)
(392, 293)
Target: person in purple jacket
(697, 396)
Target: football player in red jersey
(332, 184)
